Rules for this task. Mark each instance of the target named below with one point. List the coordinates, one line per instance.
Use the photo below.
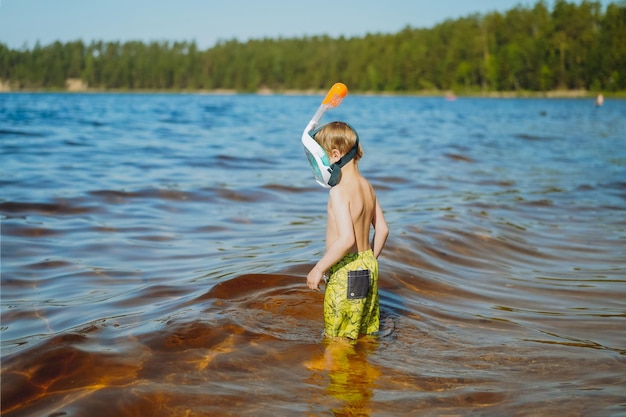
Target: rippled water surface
(155, 247)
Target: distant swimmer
(599, 100)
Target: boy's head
(340, 136)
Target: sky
(25, 22)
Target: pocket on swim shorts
(358, 284)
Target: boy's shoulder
(358, 187)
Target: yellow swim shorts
(351, 304)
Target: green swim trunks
(351, 300)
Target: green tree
(526, 48)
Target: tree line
(528, 48)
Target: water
(155, 248)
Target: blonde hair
(340, 136)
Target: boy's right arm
(339, 246)
(381, 230)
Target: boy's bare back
(359, 195)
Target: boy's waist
(348, 258)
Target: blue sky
(24, 22)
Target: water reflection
(349, 375)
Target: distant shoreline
(74, 87)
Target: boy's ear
(335, 153)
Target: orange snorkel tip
(336, 93)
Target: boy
(351, 300)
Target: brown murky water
(155, 248)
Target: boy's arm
(381, 230)
(338, 248)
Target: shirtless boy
(351, 306)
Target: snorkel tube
(320, 164)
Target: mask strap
(349, 155)
(335, 168)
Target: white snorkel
(320, 164)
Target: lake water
(155, 249)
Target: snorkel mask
(326, 174)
